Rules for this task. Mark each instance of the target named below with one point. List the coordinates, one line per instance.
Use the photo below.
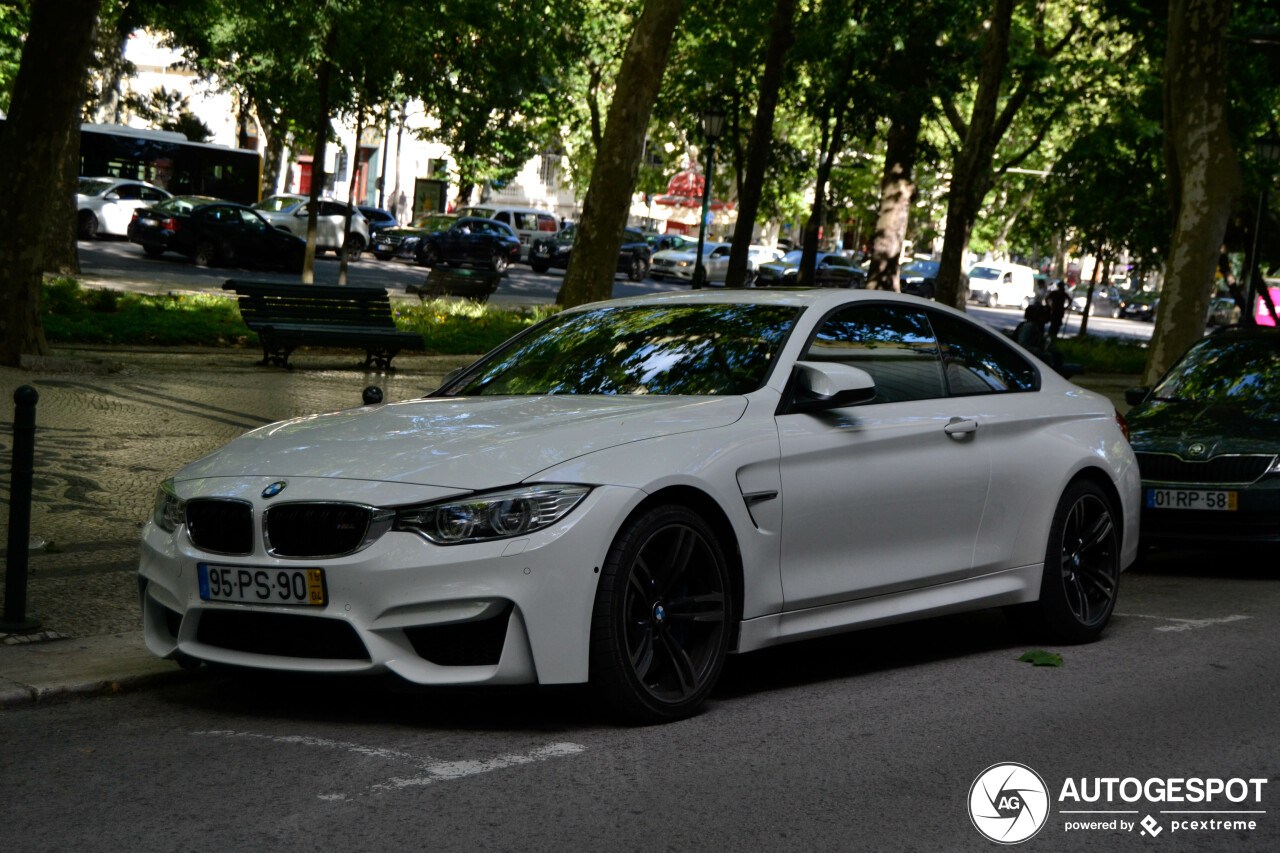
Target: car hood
(1172, 426)
(462, 443)
(407, 231)
(676, 255)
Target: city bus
(170, 161)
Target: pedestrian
(1057, 300)
(1030, 334)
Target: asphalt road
(868, 741)
(118, 263)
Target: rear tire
(206, 254)
(661, 623)
(1081, 569)
(638, 269)
(353, 247)
(498, 263)
(153, 251)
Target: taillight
(133, 218)
(169, 224)
(1123, 424)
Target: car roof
(795, 296)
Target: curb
(63, 668)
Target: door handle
(960, 427)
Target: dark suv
(633, 256)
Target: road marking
(429, 770)
(1186, 624)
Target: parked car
(470, 240)
(831, 270)
(377, 218)
(919, 278)
(107, 205)
(405, 241)
(631, 490)
(289, 212)
(995, 284)
(678, 264)
(717, 263)
(1106, 301)
(633, 253)
(1223, 311)
(1139, 304)
(211, 231)
(529, 224)
(1207, 438)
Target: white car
(678, 264)
(289, 212)
(632, 490)
(993, 284)
(717, 262)
(107, 205)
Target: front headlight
(1275, 466)
(170, 511)
(493, 515)
(684, 263)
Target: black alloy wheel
(661, 624)
(1081, 568)
(205, 254)
(88, 225)
(353, 247)
(639, 269)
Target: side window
(251, 220)
(152, 194)
(893, 343)
(503, 217)
(129, 192)
(978, 362)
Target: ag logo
(1196, 449)
(274, 489)
(1008, 803)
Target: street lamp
(1267, 150)
(712, 127)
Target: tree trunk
(1204, 173)
(61, 256)
(47, 96)
(971, 176)
(318, 155)
(352, 171)
(818, 216)
(896, 188)
(613, 176)
(751, 189)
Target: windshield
(433, 222)
(90, 186)
(277, 203)
(792, 257)
(702, 349)
(180, 204)
(925, 268)
(984, 272)
(1226, 371)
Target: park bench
(287, 316)
(476, 285)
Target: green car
(1207, 439)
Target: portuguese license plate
(383, 247)
(259, 585)
(1214, 499)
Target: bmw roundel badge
(274, 489)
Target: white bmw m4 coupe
(630, 491)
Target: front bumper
(512, 611)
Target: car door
(717, 263)
(988, 377)
(886, 495)
(117, 212)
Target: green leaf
(1039, 657)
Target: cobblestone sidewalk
(112, 423)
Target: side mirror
(1134, 396)
(830, 385)
(111, 196)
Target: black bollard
(372, 395)
(22, 471)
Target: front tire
(88, 226)
(661, 623)
(498, 263)
(993, 299)
(1081, 569)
